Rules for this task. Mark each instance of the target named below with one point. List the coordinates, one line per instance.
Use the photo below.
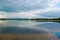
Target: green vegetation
(29, 18)
(35, 19)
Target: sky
(29, 8)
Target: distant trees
(30, 19)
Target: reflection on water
(29, 27)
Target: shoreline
(28, 37)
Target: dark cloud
(22, 5)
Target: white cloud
(29, 14)
(52, 3)
(1, 15)
(17, 14)
(32, 13)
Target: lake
(28, 27)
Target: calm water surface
(28, 26)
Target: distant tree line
(29, 18)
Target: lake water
(28, 26)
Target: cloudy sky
(29, 8)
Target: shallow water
(29, 27)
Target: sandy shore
(28, 37)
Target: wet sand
(28, 37)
